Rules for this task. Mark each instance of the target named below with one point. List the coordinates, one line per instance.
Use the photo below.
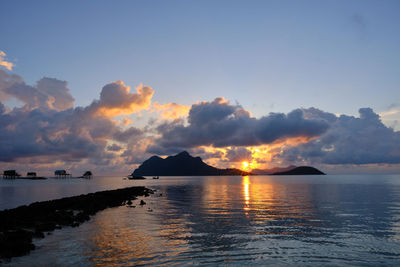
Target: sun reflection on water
(246, 192)
(251, 220)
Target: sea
(330, 220)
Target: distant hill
(272, 170)
(182, 164)
(303, 170)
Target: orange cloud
(171, 110)
(259, 157)
(126, 121)
(4, 63)
(116, 99)
(122, 121)
(265, 155)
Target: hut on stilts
(62, 174)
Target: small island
(183, 164)
(302, 170)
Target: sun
(245, 164)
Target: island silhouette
(302, 170)
(183, 164)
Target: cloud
(114, 147)
(126, 121)
(391, 116)
(8, 65)
(116, 99)
(58, 90)
(220, 124)
(238, 154)
(206, 153)
(126, 135)
(69, 135)
(48, 93)
(171, 110)
(135, 152)
(48, 128)
(6, 81)
(349, 140)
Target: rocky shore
(18, 226)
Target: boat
(135, 177)
(156, 177)
(87, 175)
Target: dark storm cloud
(68, 135)
(126, 135)
(161, 150)
(349, 140)
(202, 153)
(47, 129)
(220, 124)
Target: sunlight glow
(246, 192)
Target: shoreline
(18, 226)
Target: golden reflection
(246, 192)
(260, 198)
(125, 236)
(217, 196)
(122, 234)
(115, 241)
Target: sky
(103, 85)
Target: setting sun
(245, 164)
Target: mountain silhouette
(182, 164)
(303, 170)
(272, 170)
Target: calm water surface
(298, 220)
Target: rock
(15, 243)
(38, 234)
(18, 226)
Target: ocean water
(332, 220)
